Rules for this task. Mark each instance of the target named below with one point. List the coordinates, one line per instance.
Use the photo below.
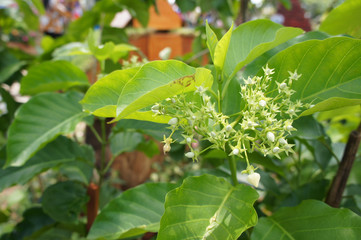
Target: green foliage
(309, 219)
(134, 212)
(63, 201)
(344, 20)
(39, 121)
(62, 151)
(326, 71)
(52, 76)
(208, 207)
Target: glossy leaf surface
(344, 19)
(251, 40)
(64, 201)
(310, 220)
(134, 212)
(52, 76)
(330, 69)
(60, 151)
(208, 207)
(40, 120)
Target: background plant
(205, 204)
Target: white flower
(275, 149)
(229, 128)
(235, 151)
(271, 136)
(294, 75)
(283, 85)
(262, 103)
(3, 108)
(155, 108)
(173, 121)
(282, 141)
(188, 140)
(165, 53)
(253, 179)
(268, 71)
(189, 155)
(166, 148)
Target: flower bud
(283, 85)
(173, 121)
(282, 141)
(229, 128)
(253, 179)
(271, 136)
(262, 103)
(235, 151)
(275, 149)
(188, 140)
(166, 148)
(189, 155)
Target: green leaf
(252, 39)
(331, 104)
(221, 49)
(39, 121)
(208, 207)
(158, 80)
(330, 68)
(212, 40)
(310, 220)
(60, 151)
(134, 212)
(102, 97)
(344, 19)
(64, 201)
(52, 76)
(124, 142)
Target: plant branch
(233, 168)
(338, 185)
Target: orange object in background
(165, 19)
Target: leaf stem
(103, 148)
(233, 168)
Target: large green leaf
(134, 212)
(158, 80)
(52, 76)
(102, 97)
(60, 151)
(310, 220)
(121, 93)
(330, 69)
(251, 40)
(344, 19)
(124, 142)
(208, 207)
(40, 120)
(64, 201)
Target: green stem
(233, 168)
(91, 127)
(105, 170)
(103, 149)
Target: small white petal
(189, 154)
(235, 151)
(262, 103)
(173, 121)
(271, 136)
(253, 179)
(282, 141)
(276, 149)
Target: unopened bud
(253, 179)
(235, 151)
(271, 136)
(262, 103)
(173, 121)
(229, 128)
(275, 149)
(189, 155)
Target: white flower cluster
(3, 107)
(134, 62)
(263, 123)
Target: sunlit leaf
(208, 207)
(310, 220)
(39, 121)
(136, 211)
